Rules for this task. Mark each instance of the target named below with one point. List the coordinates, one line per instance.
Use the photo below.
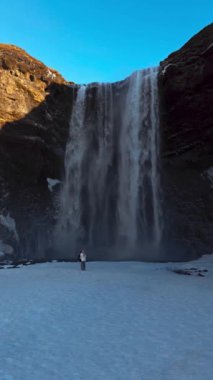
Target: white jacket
(83, 256)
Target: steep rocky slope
(35, 107)
(23, 84)
(186, 89)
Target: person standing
(83, 259)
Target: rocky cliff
(35, 107)
(186, 91)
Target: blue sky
(101, 40)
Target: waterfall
(110, 201)
(138, 173)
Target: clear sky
(101, 40)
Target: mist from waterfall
(110, 201)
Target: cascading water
(110, 200)
(138, 202)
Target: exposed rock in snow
(192, 272)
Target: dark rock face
(35, 107)
(186, 92)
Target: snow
(8, 222)
(50, 74)
(209, 49)
(5, 249)
(52, 182)
(116, 321)
(163, 72)
(209, 173)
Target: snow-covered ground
(116, 321)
